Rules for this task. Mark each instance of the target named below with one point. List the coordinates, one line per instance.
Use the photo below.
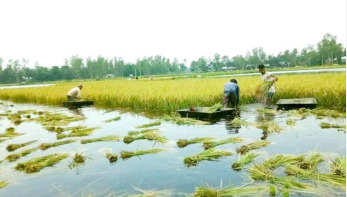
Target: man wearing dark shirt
(231, 94)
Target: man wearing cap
(74, 93)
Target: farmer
(268, 77)
(231, 94)
(74, 93)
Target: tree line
(326, 52)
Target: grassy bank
(170, 95)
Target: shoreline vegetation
(170, 95)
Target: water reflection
(76, 111)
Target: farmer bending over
(74, 93)
(268, 77)
(231, 94)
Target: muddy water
(161, 171)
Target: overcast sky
(49, 31)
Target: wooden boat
(199, 113)
(297, 103)
(77, 103)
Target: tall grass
(170, 95)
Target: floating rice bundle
(236, 123)
(151, 193)
(113, 119)
(327, 179)
(29, 111)
(328, 113)
(16, 156)
(325, 125)
(127, 154)
(246, 159)
(3, 184)
(183, 142)
(212, 144)
(37, 164)
(156, 123)
(230, 191)
(291, 122)
(212, 109)
(46, 146)
(55, 129)
(260, 172)
(101, 139)
(255, 145)
(10, 132)
(183, 121)
(282, 160)
(269, 126)
(77, 161)
(55, 119)
(111, 157)
(15, 118)
(210, 155)
(13, 147)
(267, 111)
(300, 113)
(311, 161)
(77, 132)
(148, 136)
(142, 131)
(338, 166)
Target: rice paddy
(295, 159)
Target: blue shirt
(233, 88)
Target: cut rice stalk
(210, 154)
(255, 145)
(101, 139)
(183, 142)
(211, 144)
(156, 123)
(128, 154)
(246, 159)
(13, 147)
(37, 164)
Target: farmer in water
(269, 86)
(231, 94)
(74, 93)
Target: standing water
(161, 171)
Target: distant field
(170, 95)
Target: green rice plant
(37, 164)
(210, 155)
(13, 147)
(325, 125)
(212, 144)
(291, 122)
(46, 146)
(3, 184)
(55, 129)
(56, 119)
(255, 145)
(320, 112)
(127, 154)
(77, 132)
(16, 156)
(269, 126)
(183, 142)
(311, 161)
(77, 161)
(101, 139)
(113, 119)
(148, 136)
(236, 123)
(142, 131)
(338, 166)
(272, 190)
(156, 123)
(111, 157)
(230, 191)
(212, 109)
(10, 132)
(246, 159)
(183, 121)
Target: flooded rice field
(104, 168)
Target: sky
(50, 31)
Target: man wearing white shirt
(74, 93)
(268, 77)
